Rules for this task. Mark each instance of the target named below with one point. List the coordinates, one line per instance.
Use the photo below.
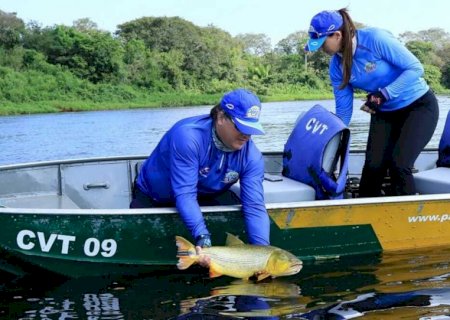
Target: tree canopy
(171, 54)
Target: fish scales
(234, 255)
(238, 259)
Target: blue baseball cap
(322, 25)
(244, 109)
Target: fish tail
(186, 253)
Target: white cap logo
(253, 112)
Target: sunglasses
(317, 35)
(235, 126)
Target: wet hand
(203, 260)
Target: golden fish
(240, 260)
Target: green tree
(12, 57)
(143, 67)
(161, 33)
(294, 43)
(207, 53)
(433, 76)
(292, 50)
(437, 36)
(257, 44)
(93, 55)
(171, 64)
(425, 52)
(259, 71)
(85, 25)
(37, 38)
(11, 30)
(223, 53)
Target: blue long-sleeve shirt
(186, 164)
(380, 62)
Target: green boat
(72, 217)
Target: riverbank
(159, 100)
(152, 101)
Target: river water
(405, 285)
(136, 132)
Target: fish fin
(213, 273)
(262, 276)
(186, 253)
(184, 246)
(185, 262)
(233, 240)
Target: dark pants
(395, 141)
(141, 200)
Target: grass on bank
(32, 92)
(159, 100)
(152, 101)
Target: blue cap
(244, 109)
(322, 25)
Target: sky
(275, 18)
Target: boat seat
(39, 201)
(433, 181)
(278, 188)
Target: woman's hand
(373, 102)
(203, 260)
(367, 109)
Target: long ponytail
(348, 31)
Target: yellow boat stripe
(398, 225)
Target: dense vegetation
(167, 61)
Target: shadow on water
(406, 284)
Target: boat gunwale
(129, 158)
(71, 161)
(234, 208)
(206, 209)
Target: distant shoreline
(157, 101)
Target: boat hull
(53, 215)
(86, 242)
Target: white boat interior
(106, 183)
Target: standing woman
(404, 111)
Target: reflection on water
(94, 306)
(410, 285)
(247, 299)
(371, 302)
(32, 138)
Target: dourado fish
(239, 260)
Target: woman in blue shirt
(200, 158)
(404, 111)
